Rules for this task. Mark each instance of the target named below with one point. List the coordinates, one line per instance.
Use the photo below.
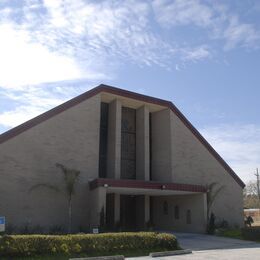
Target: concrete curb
(114, 257)
(170, 253)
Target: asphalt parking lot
(213, 247)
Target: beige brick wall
(193, 164)
(70, 138)
(195, 203)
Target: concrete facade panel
(142, 144)
(161, 146)
(193, 164)
(70, 138)
(194, 203)
(114, 140)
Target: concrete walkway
(198, 242)
(213, 247)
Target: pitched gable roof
(120, 92)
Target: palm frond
(70, 178)
(211, 186)
(61, 166)
(216, 192)
(44, 185)
(212, 193)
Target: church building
(142, 165)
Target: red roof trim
(120, 92)
(145, 185)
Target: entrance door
(128, 212)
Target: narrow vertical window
(188, 216)
(165, 208)
(103, 136)
(176, 212)
(150, 144)
(128, 143)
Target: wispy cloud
(196, 54)
(63, 41)
(48, 41)
(240, 34)
(66, 41)
(238, 144)
(182, 12)
(31, 101)
(216, 19)
(19, 115)
(95, 32)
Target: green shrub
(251, 233)
(57, 230)
(90, 244)
(211, 225)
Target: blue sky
(204, 56)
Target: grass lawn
(251, 234)
(232, 233)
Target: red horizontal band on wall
(124, 93)
(137, 184)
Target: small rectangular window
(176, 212)
(165, 208)
(188, 216)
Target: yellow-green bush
(92, 244)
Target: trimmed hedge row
(90, 244)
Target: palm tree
(212, 193)
(70, 179)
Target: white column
(114, 140)
(142, 144)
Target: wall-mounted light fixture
(106, 185)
